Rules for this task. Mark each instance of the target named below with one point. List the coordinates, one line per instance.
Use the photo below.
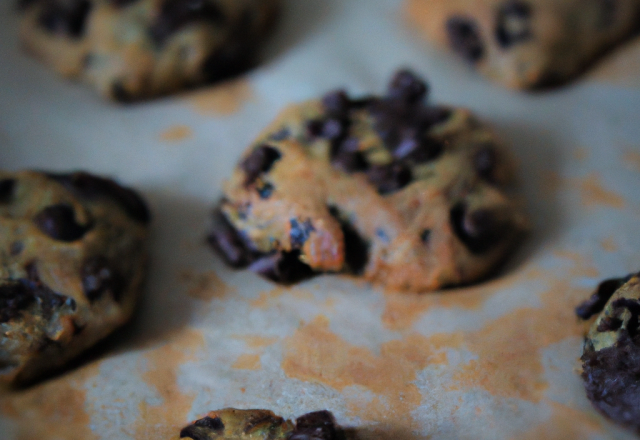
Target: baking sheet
(494, 361)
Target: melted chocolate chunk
(478, 230)
(300, 232)
(282, 267)
(92, 187)
(484, 162)
(596, 303)
(214, 424)
(634, 308)
(407, 87)
(226, 240)
(17, 296)
(59, 223)
(513, 23)
(464, 38)
(65, 18)
(7, 187)
(609, 324)
(418, 150)
(350, 162)
(176, 14)
(390, 178)
(259, 161)
(336, 103)
(119, 93)
(356, 248)
(99, 277)
(318, 425)
(612, 380)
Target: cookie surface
(72, 254)
(526, 43)
(259, 424)
(611, 356)
(137, 49)
(409, 195)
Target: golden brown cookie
(410, 195)
(611, 356)
(72, 262)
(136, 49)
(260, 424)
(526, 43)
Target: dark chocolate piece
(336, 103)
(92, 187)
(464, 37)
(65, 18)
(513, 23)
(99, 277)
(479, 230)
(389, 178)
(318, 425)
(7, 187)
(407, 87)
(425, 235)
(300, 232)
(596, 303)
(282, 267)
(224, 239)
(17, 296)
(59, 223)
(259, 161)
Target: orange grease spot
(163, 421)
(52, 409)
(593, 193)
(266, 299)
(247, 362)
(256, 342)
(580, 154)
(176, 133)
(632, 160)
(223, 99)
(316, 354)
(582, 264)
(609, 244)
(205, 286)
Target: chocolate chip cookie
(72, 261)
(409, 195)
(136, 49)
(259, 424)
(527, 43)
(611, 356)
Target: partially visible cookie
(259, 424)
(137, 49)
(611, 357)
(72, 262)
(409, 195)
(526, 43)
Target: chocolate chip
(7, 187)
(350, 162)
(407, 87)
(282, 267)
(17, 296)
(464, 37)
(265, 191)
(598, 300)
(634, 308)
(92, 187)
(300, 232)
(259, 161)
(314, 127)
(418, 150)
(120, 94)
(214, 424)
(203, 429)
(99, 277)
(609, 324)
(336, 103)
(425, 235)
(513, 23)
(389, 178)
(176, 14)
(484, 162)
(16, 248)
(479, 230)
(59, 223)
(226, 240)
(65, 18)
(318, 425)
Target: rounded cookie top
(137, 49)
(260, 424)
(526, 43)
(410, 195)
(611, 356)
(72, 260)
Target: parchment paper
(494, 361)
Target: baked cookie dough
(526, 43)
(611, 356)
(72, 261)
(259, 424)
(137, 49)
(409, 195)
